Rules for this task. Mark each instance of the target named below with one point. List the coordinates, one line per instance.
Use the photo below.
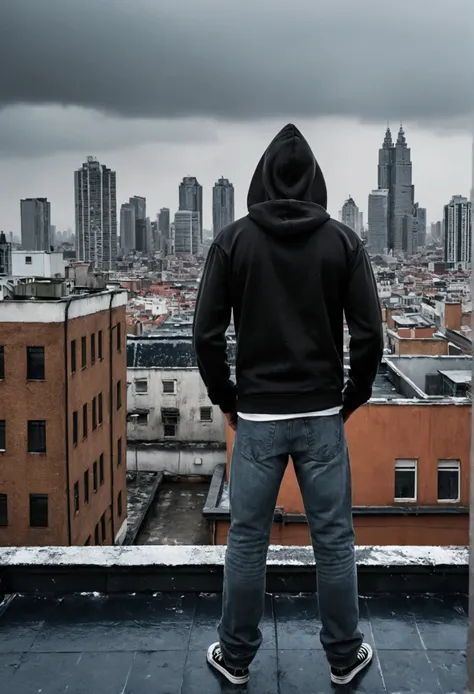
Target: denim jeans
(318, 448)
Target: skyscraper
(395, 175)
(5, 255)
(190, 198)
(35, 224)
(457, 232)
(378, 219)
(127, 227)
(96, 214)
(186, 234)
(351, 215)
(139, 205)
(419, 227)
(222, 205)
(164, 230)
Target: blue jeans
(318, 448)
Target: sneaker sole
(348, 678)
(222, 670)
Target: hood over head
(287, 194)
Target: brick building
(63, 420)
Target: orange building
(409, 449)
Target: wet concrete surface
(156, 644)
(175, 516)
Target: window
(96, 535)
(75, 429)
(92, 348)
(119, 504)
(83, 352)
(405, 480)
(94, 413)
(101, 412)
(3, 510)
(84, 421)
(94, 476)
(169, 387)
(35, 363)
(86, 487)
(101, 469)
(119, 337)
(119, 395)
(28, 260)
(73, 356)
(119, 452)
(3, 442)
(449, 480)
(102, 527)
(76, 497)
(2, 362)
(88, 541)
(99, 344)
(36, 436)
(206, 414)
(38, 510)
(141, 386)
(170, 430)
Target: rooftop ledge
(406, 569)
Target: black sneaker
(216, 659)
(346, 674)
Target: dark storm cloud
(241, 59)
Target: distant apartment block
(223, 211)
(36, 224)
(190, 198)
(5, 255)
(96, 214)
(63, 420)
(458, 233)
(378, 221)
(186, 232)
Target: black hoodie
(288, 272)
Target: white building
(96, 214)
(457, 233)
(38, 264)
(172, 424)
(351, 216)
(36, 224)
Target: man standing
(289, 273)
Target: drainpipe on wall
(66, 396)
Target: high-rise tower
(35, 224)
(96, 214)
(190, 198)
(457, 233)
(222, 205)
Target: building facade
(352, 216)
(457, 233)
(5, 255)
(63, 421)
(190, 198)
(223, 210)
(378, 220)
(419, 227)
(38, 264)
(127, 227)
(36, 224)
(96, 214)
(186, 232)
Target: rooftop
(145, 644)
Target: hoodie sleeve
(211, 320)
(364, 320)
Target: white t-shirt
(274, 417)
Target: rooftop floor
(155, 644)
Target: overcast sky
(158, 89)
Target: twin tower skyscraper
(396, 223)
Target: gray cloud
(241, 60)
(32, 131)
